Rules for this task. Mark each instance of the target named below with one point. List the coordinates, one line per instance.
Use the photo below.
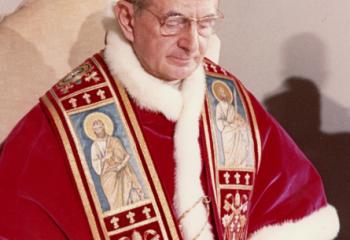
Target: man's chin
(176, 72)
(181, 74)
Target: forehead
(193, 8)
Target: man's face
(171, 57)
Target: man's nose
(189, 38)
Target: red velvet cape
(39, 199)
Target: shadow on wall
(298, 109)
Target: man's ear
(124, 14)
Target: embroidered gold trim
(216, 160)
(73, 166)
(209, 151)
(235, 187)
(85, 168)
(236, 82)
(237, 169)
(132, 142)
(255, 124)
(219, 75)
(76, 93)
(247, 110)
(136, 225)
(89, 107)
(125, 208)
(149, 162)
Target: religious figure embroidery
(110, 161)
(232, 126)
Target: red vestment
(39, 198)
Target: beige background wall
(265, 42)
(294, 56)
(39, 44)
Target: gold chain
(206, 201)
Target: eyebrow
(209, 15)
(173, 13)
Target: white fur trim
(183, 106)
(322, 224)
(148, 91)
(188, 188)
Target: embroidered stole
(233, 149)
(113, 170)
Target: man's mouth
(181, 61)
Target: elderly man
(152, 89)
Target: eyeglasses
(173, 25)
